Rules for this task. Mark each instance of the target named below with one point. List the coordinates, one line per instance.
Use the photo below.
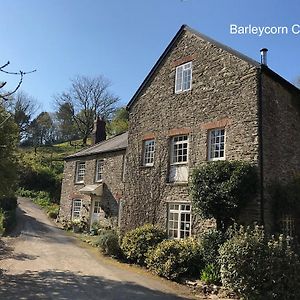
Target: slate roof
(217, 44)
(116, 143)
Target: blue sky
(122, 39)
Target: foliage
(2, 220)
(119, 122)
(42, 199)
(175, 258)
(23, 108)
(257, 268)
(108, 242)
(137, 242)
(220, 189)
(211, 274)
(285, 201)
(210, 242)
(40, 130)
(79, 225)
(38, 177)
(8, 203)
(8, 141)
(110, 223)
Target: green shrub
(137, 242)
(52, 211)
(257, 268)
(108, 242)
(175, 258)
(8, 203)
(2, 229)
(211, 274)
(10, 220)
(221, 189)
(210, 243)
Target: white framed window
(99, 170)
(179, 220)
(148, 153)
(183, 78)
(179, 146)
(179, 159)
(80, 172)
(76, 209)
(216, 144)
(97, 207)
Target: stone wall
(224, 93)
(281, 136)
(113, 185)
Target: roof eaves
(280, 79)
(94, 153)
(161, 58)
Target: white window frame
(216, 144)
(76, 209)
(80, 172)
(148, 153)
(99, 170)
(183, 77)
(174, 159)
(179, 227)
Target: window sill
(146, 167)
(185, 183)
(79, 183)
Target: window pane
(149, 148)
(216, 144)
(183, 77)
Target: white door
(97, 211)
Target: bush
(221, 189)
(210, 243)
(175, 258)
(108, 242)
(137, 242)
(52, 211)
(8, 203)
(211, 274)
(2, 229)
(257, 268)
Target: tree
(86, 99)
(23, 109)
(119, 122)
(8, 141)
(66, 126)
(221, 189)
(40, 129)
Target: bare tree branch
(20, 73)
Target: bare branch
(20, 73)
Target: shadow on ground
(7, 252)
(67, 285)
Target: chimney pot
(263, 56)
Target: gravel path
(40, 261)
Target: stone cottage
(93, 185)
(203, 101)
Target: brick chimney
(99, 131)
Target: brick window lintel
(183, 60)
(216, 124)
(179, 131)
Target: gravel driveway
(40, 261)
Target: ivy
(221, 189)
